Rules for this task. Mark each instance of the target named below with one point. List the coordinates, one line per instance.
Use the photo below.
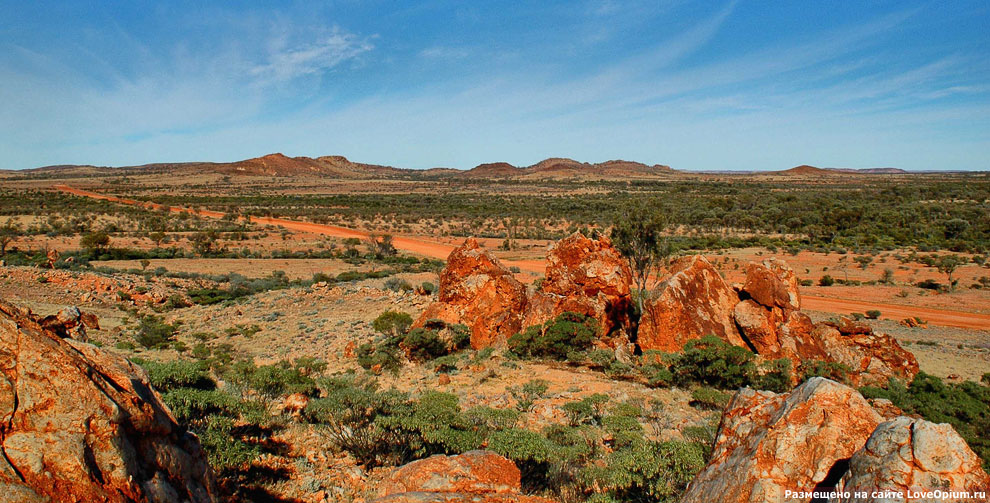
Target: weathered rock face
(907, 454)
(78, 424)
(872, 357)
(478, 291)
(579, 265)
(585, 276)
(478, 476)
(773, 284)
(769, 443)
(759, 325)
(693, 302)
(69, 322)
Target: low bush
(713, 362)
(830, 370)
(709, 398)
(178, 374)
(153, 333)
(392, 323)
(566, 333)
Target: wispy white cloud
(287, 61)
(445, 52)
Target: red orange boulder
(773, 284)
(771, 443)
(79, 424)
(478, 291)
(907, 454)
(871, 357)
(586, 276)
(693, 302)
(475, 476)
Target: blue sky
(742, 85)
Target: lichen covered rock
(907, 454)
(693, 302)
(769, 443)
(475, 476)
(78, 424)
(478, 291)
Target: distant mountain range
(804, 169)
(335, 166)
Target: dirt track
(440, 251)
(899, 312)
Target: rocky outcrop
(475, 476)
(772, 283)
(79, 424)
(770, 443)
(478, 291)
(769, 315)
(68, 322)
(871, 357)
(771, 322)
(693, 302)
(907, 454)
(760, 326)
(586, 276)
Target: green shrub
(350, 416)
(646, 471)
(178, 374)
(713, 362)
(223, 447)
(188, 404)
(154, 333)
(488, 420)
(826, 280)
(774, 375)
(428, 288)
(384, 354)
(445, 364)
(589, 410)
(873, 314)
(392, 323)
(398, 285)
(281, 379)
(709, 398)
(531, 452)
(830, 370)
(529, 392)
(566, 333)
(422, 344)
(435, 424)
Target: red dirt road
(440, 251)
(413, 245)
(898, 312)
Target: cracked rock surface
(79, 424)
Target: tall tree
(640, 235)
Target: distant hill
(806, 170)
(277, 164)
(558, 167)
(336, 166)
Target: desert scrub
(153, 333)
(555, 339)
(529, 392)
(192, 395)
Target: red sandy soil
(441, 251)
